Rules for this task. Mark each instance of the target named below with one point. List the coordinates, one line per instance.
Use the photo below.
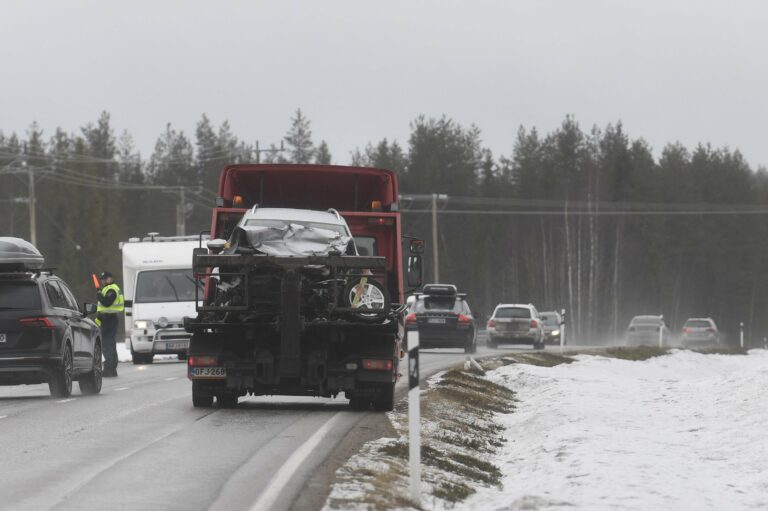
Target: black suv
(44, 336)
(443, 319)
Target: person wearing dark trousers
(110, 305)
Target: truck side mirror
(417, 247)
(415, 271)
(89, 308)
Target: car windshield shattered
(293, 238)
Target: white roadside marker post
(661, 332)
(741, 334)
(562, 331)
(414, 417)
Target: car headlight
(555, 332)
(142, 324)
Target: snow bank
(682, 431)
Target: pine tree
(323, 154)
(298, 140)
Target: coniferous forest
(587, 219)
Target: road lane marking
(286, 472)
(3, 416)
(172, 378)
(122, 388)
(66, 400)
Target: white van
(159, 291)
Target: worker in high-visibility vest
(110, 305)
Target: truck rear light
(410, 319)
(40, 322)
(376, 205)
(237, 201)
(534, 323)
(464, 320)
(491, 324)
(377, 365)
(203, 360)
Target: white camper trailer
(159, 291)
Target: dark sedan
(443, 319)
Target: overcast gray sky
(685, 70)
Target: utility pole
(32, 219)
(435, 259)
(435, 250)
(181, 214)
(270, 150)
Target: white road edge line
(172, 378)
(66, 400)
(122, 388)
(3, 416)
(283, 476)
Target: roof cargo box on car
(17, 254)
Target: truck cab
(303, 290)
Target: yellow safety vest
(117, 306)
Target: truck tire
(386, 401)
(202, 397)
(141, 358)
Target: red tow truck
(302, 286)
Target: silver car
(647, 330)
(699, 332)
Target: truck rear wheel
(386, 401)
(202, 397)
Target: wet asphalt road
(141, 445)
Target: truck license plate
(175, 345)
(213, 373)
(437, 321)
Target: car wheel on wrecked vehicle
(365, 294)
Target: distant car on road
(551, 321)
(645, 330)
(700, 332)
(513, 323)
(443, 318)
(44, 335)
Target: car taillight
(534, 324)
(377, 365)
(491, 324)
(686, 330)
(41, 322)
(464, 320)
(203, 360)
(711, 330)
(410, 318)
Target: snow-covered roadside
(124, 354)
(681, 431)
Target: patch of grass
(633, 352)
(452, 492)
(465, 466)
